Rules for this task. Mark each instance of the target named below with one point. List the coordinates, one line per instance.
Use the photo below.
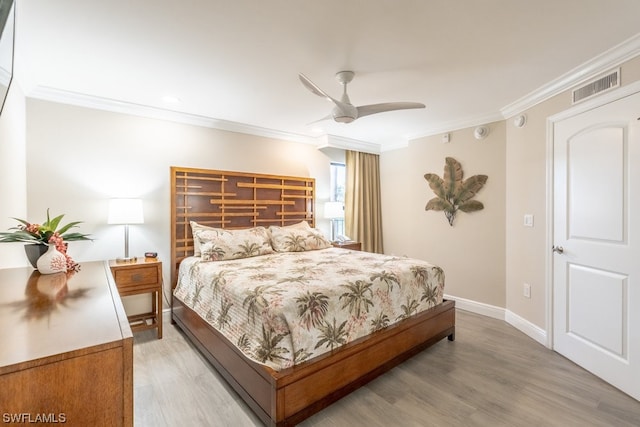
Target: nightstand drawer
(136, 277)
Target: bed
(286, 386)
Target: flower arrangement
(47, 233)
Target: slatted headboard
(225, 199)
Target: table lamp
(125, 211)
(333, 211)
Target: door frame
(580, 108)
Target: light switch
(528, 220)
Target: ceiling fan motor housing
(344, 115)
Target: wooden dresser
(66, 351)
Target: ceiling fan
(344, 111)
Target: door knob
(558, 249)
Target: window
(338, 184)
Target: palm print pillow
(285, 239)
(220, 245)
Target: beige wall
(526, 194)
(472, 252)
(13, 186)
(489, 255)
(78, 158)
(526, 248)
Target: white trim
(613, 57)
(548, 257)
(95, 102)
(477, 307)
(590, 104)
(394, 146)
(596, 102)
(523, 325)
(466, 123)
(335, 141)
(529, 329)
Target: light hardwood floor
(491, 375)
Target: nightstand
(140, 277)
(354, 246)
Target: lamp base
(127, 260)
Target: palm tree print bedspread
(285, 308)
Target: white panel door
(596, 223)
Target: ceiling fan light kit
(344, 111)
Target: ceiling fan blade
(327, 117)
(315, 89)
(343, 108)
(366, 110)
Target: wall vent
(594, 87)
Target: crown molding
(334, 141)
(465, 123)
(89, 101)
(95, 102)
(390, 146)
(613, 57)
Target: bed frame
(282, 398)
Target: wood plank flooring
(492, 375)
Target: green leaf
(436, 184)
(52, 224)
(68, 226)
(469, 188)
(17, 236)
(452, 176)
(471, 206)
(438, 204)
(75, 236)
(25, 223)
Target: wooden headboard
(230, 200)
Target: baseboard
(533, 331)
(529, 329)
(477, 307)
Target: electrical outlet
(526, 290)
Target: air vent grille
(601, 84)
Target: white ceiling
(237, 61)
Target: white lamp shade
(125, 211)
(333, 210)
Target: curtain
(362, 208)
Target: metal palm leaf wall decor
(453, 193)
